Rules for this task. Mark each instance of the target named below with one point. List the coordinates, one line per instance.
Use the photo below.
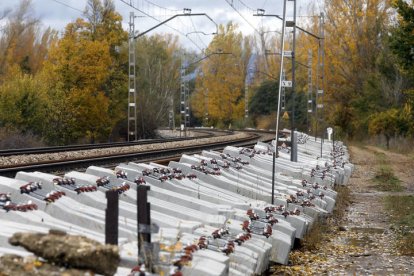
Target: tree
(402, 39)
(388, 123)
(401, 42)
(80, 68)
(265, 98)
(158, 82)
(23, 102)
(355, 33)
(220, 84)
(89, 72)
(264, 102)
(23, 42)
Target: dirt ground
(362, 242)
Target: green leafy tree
(264, 102)
(158, 80)
(402, 39)
(388, 123)
(23, 102)
(401, 42)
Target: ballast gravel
(15, 160)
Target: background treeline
(72, 87)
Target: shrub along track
(366, 238)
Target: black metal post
(144, 224)
(293, 150)
(322, 133)
(111, 217)
(273, 178)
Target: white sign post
(330, 131)
(286, 83)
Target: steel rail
(143, 156)
(42, 150)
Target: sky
(194, 32)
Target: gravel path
(369, 243)
(362, 242)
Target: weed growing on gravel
(387, 181)
(343, 199)
(302, 260)
(401, 209)
(385, 177)
(317, 234)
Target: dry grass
(265, 122)
(317, 235)
(11, 139)
(385, 177)
(401, 209)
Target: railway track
(42, 150)
(171, 151)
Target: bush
(13, 139)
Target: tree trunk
(387, 137)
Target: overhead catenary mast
(320, 79)
(310, 92)
(132, 95)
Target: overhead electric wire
(161, 7)
(230, 2)
(64, 4)
(247, 7)
(197, 33)
(151, 16)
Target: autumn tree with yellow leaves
(354, 44)
(219, 87)
(83, 67)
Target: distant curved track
(203, 134)
(116, 158)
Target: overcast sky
(57, 15)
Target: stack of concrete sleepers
(213, 207)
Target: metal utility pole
(293, 151)
(132, 95)
(171, 115)
(283, 96)
(276, 153)
(320, 73)
(206, 106)
(310, 92)
(246, 100)
(285, 83)
(184, 91)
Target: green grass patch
(401, 209)
(358, 144)
(384, 177)
(387, 181)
